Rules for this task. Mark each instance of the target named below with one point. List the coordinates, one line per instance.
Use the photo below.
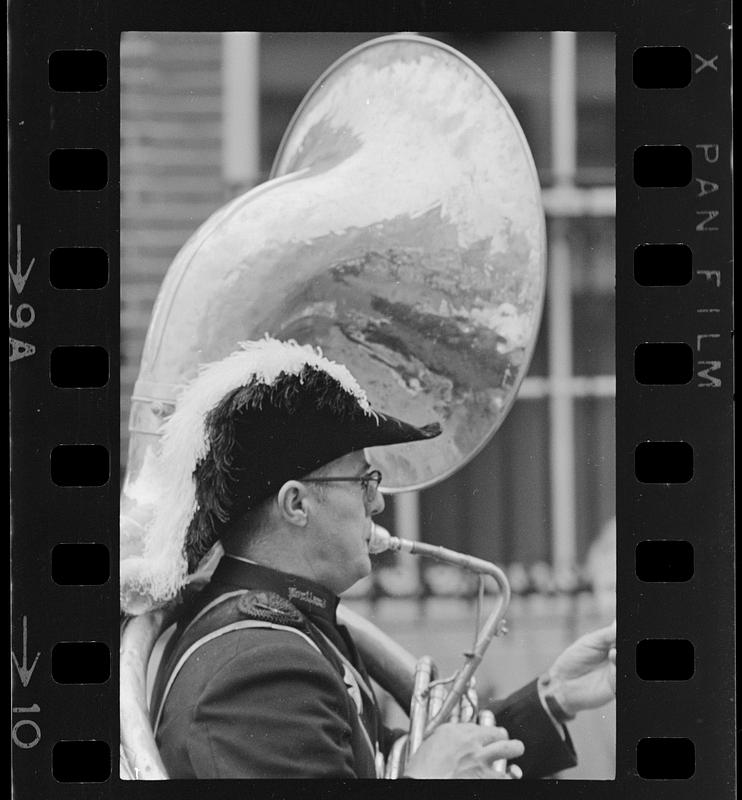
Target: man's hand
(584, 675)
(464, 750)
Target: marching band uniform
(265, 703)
(259, 679)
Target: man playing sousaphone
(265, 453)
(403, 235)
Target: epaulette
(269, 607)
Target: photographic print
(381, 216)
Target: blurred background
(202, 115)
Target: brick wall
(170, 170)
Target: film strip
(675, 709)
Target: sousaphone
(402, 232)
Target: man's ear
(292, 503)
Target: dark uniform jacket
(267, 684)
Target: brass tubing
(397, 757)
(436, 697)
(492, 627)
(419, 708)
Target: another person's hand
(464, 750)
(584, 675)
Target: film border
(699, 413)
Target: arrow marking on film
(24, 671)
(18, 276)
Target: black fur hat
(262, 435)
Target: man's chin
(359, 578)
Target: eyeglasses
(370, 483)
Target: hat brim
(292, 446)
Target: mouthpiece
(380, 540)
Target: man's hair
(251, 526)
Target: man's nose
(378, 504)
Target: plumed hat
(270, 412)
